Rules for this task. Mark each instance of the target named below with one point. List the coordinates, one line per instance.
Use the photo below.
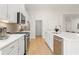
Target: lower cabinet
(21, 46)
(10, 48)
(58, 45)
(15, 48)
(14, 52)
(49, 39)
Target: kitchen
(14, 29)
(58, 28)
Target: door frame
(36, 26)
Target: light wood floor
(38, 47)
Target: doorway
(38, 27)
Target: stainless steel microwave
(20, 18)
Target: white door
(38, 27)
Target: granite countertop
(10, 39)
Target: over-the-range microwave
(20, 18)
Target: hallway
(38, 47)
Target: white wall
(68, 24)
(71, 24)
(51, 17)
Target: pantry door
(38, 28)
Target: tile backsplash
(11, 27)
(14, 27)
(2, 24)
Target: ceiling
(31, 7)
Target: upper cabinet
(12, 12)
(3, 11)
(8, 12)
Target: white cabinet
(14, 52)
(14, 48)
(10, 48)
(3, 11)
(21, 46)
(49, 39)
(9, 11)
(12, 12)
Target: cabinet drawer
(9, 48)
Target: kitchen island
(66, 43)
(13, 45)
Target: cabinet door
(21, 46)
(3, 11)
(10, 48)
(14, 51)
(58, 45)
(12, 12)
